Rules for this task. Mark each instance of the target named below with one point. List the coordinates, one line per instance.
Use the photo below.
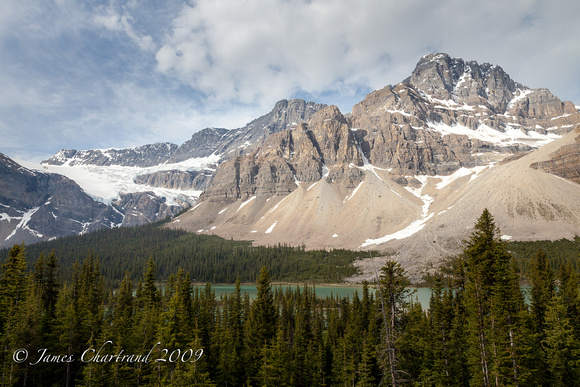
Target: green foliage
(559, 252)
(476, 331)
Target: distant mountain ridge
(202, 144)
(160, 179)
(449, 114)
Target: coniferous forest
(207, 258)
(477, 331)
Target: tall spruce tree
(12, 292)
(543, 288)
(560, 346)
(261, 324)
(394, 300)
(493, 301)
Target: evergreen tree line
(477, 331)
(207, 258)
(560, 252)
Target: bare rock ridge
(466, 82)
(141, 156)
(204, 143)
(469, 83)
(286, 158)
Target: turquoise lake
(322, 291)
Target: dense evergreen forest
(477, 331)
(207, 258)
(561, 252)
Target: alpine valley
(407, 172)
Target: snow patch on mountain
(105, 183)
(353, 192)
(245, 203)
(521, 94)
(24, 224)
(416, 225)
(510, 136)
(461, 172)
(269, 230)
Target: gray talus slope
(527, 204)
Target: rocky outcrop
(304, 154)
(464, 82)
(540, 103)
(178, 180)
(564, 162)
(287, 114)
(37, 206)
(144, 207)
(394, 127)
(202, 144)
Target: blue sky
(98, 74)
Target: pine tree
(561, 349)
(543, 288)
(570, 293)
(121, 332)
(393, 293)
(493, 302)
(441, 314)
(148, 306)
(261, 324)
(26, 325)
(12, 292)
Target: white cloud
(262, 50)
(117, 73)
(110, 19)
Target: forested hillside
(560, 252)
(477, 330)
(207, 258)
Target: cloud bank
(124, 73)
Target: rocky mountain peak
(464, 82)
(326, 114)
(286, 114)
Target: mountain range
(407, 172)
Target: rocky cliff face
(177, 180)
(144, 207)
(304, 154)
(36, 206)
(449, 114)
(464, 82)
(564, 162)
